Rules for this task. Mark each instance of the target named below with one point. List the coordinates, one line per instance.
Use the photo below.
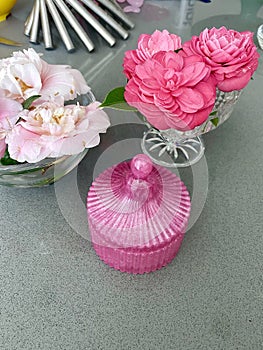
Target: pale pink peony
(232, 55)
(26, 146)
(172, 91)
(8, 117)
(148, 45)
(51, 130)
(2, 148)
(25, 74)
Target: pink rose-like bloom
(25, 74)
(232, 55)
(51, 130)
(8, 117)
(172, 91)
(148, 45)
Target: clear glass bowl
(39, 174)
(46, 171)
(177, 149)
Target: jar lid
(137, 205)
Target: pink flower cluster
(48, 128)
(174, 85)
(133, 5)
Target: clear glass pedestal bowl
(48, 170)
(174, 148)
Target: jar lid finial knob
(141, 166)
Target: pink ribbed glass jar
(137, 213)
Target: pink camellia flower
(52, 130)
(8, 117)
(172, 91)
(148, 45)
(232, 56)
(25, 74)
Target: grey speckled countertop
(55, 293)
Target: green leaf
(7, 160)
(178, 50)
(215, 121)
(115, 99)
(213, 113)
(27, 103)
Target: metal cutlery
(96, 13)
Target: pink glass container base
(141, 261)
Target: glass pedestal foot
(166, 148)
